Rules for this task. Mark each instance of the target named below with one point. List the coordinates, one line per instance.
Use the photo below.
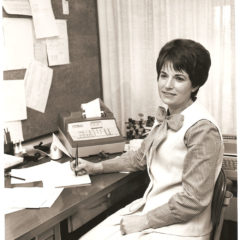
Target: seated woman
(182, 155)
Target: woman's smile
(168, 94)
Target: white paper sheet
(35, 173)
(57, 47)
(14, 102)
(40, 51)
(30, 197)
(52, 174)
(64, 177)
(43, 19)
(18, 41)
(9, 160)
(65, 7)
(38, 79)
(56, 142)
(92, 108)
(15, 129)
(20, 7)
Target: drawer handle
(108, 195)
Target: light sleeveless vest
(165, 168)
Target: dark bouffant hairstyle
(189, 56)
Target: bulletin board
(74, 83)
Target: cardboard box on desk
(90, 135)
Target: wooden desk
(80, 204)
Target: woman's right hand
(86, 167)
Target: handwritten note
(38, 79)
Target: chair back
(220, 200)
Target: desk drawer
(125, 192)
(88, 212)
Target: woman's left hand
(133, 223)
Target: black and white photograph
(119, 119)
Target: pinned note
(43, 19)
(14, 107)
(18, 45)
(57, 47)
(38, 79)
(20, 7)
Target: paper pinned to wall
(20, 7)
(14, 102)
(15, 129)
(40, 51)
(43, 19)
(57, 47)
(65, 7)
(38, 79)
(18, 41)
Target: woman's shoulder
(202, 130)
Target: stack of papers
(52, 174)
(55, 176)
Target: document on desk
(38, 80)
(29, 197)
(52, 174)
(9, 160)
(64, 177)
(33, 174)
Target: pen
(76, 160)
(8, 175)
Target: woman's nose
(169, 83)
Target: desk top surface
(27, 223)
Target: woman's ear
(194, 89)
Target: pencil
(11, 176)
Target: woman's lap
(109, 229)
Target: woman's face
(175, 88)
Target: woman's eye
(163, 75)
(180, 79)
